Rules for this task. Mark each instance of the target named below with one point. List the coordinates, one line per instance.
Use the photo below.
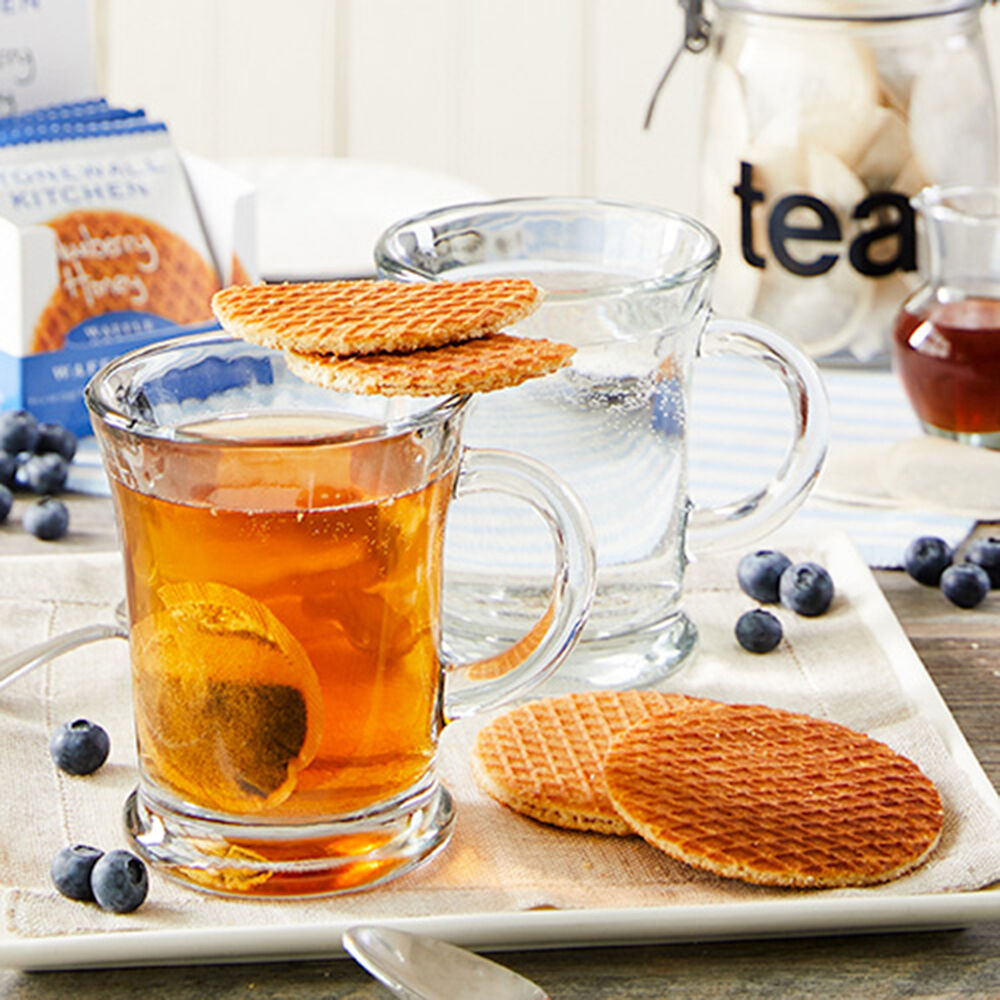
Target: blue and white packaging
(109, 240)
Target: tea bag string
(697, 28)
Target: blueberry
(965, 584)
(80, 746)
(8, 469)
(119, 881)
(43, 473)
(6, 502)
(758, 574)
(758, 631)
(56, 439)
(47, 519)
(18, 431)
(985, 552)
(926, 558)
(70, 871)
(806, 588)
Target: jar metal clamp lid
(698, 27)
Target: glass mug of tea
(630, 286)
(946, 342)
(283, 547)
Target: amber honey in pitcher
(947, 355)
(284, 606)
(946, 340)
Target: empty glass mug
(282, 549)
(630, 286)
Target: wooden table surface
(962, 652)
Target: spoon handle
(20, 663)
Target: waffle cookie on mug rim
(544, 758)
(372, 316)
(773, 797)
(485, 364)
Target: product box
(92, 284)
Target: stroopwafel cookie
(494, 361)
(545, 758)
(773, 797)
(365, 317)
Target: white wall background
(516, 96)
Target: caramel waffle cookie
(366, 317)
(773, 797)
(114, 261)
(494, 361)
(545, 758)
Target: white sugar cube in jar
(822, 119)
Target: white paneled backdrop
(515, 96)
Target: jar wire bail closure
(697, 32)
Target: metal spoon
(422, 968)
(18, 664)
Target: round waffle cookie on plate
(744, 791)
(545, 758)
(773, 797)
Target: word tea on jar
(822, 120)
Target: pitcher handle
(484, 684)
(742, 522)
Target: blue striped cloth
(741, 424)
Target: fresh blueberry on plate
(6, 502)
(806, 588)
(71, 869)
(18, 431)
(47, 519)
(79, 747)
(119, 881)
(8, 469)
(926, 558)
(965, 584)
(43, 473)
(758, 631)
(758, 574)
(985, 552)
(56, 439)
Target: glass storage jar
(822, 119)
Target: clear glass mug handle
(751, 517)
(484, 684)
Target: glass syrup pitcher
(946, 342)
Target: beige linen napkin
(852, 665)
(926, 474)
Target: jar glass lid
(853, 10)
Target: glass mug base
(265, 861)
(987, 439)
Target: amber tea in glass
(295, 623)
